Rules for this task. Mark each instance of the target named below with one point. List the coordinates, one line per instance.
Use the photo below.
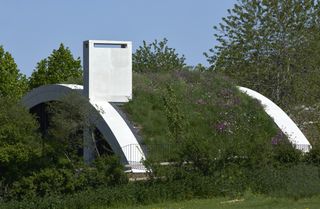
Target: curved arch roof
(109, 122)
(283, 121)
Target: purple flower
(277, 138)
(221, 126)
(274, 141)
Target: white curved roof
(283, 121)
(109, 122)
(52, 92)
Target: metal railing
(163, 153)
(303, 147)
(133, 153)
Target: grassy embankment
(210, 107)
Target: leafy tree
(12, 83)
(271, 46)
(199, 67)
(20, 145)
(59, 67)
(69, 119)
(156, 57)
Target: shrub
(313, 156)
(284, 152)
(296, 181)
(68, 179)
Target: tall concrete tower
(107, 70)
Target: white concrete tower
(107, 70)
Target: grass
(209, 106)
(247, 202)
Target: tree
(156, 57)
(13, 84)
(70, 120)
(20, 146)
(269, 46)
(59, 67)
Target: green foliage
(285, 153)
(313, 156)
(176, 121)
(31, 167)
(123, 195)
(68, 179)
(59, 67)
(215, 134)
(143, 193)
(12, 83)
(220, 143)
(67, 120)
(308, 118)
(16, 124)
(200, 67)
(156, 57)
(19, 142)
(201, 114)
(272, 47)
(110, 171)
(296, 181)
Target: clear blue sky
(31, 29)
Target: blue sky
(31, 29)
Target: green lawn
(254, 202)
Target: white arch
(109, 122)
(283, 121)
(120, 137)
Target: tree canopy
(13, 84)
(59, 67)
(157, 56)
(272, 47)
(19, 140)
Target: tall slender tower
(107, 78)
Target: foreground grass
(254, 202)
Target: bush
(68, 179)
(284, 152)
(137, 193)
(296, 181)
(313, 156)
